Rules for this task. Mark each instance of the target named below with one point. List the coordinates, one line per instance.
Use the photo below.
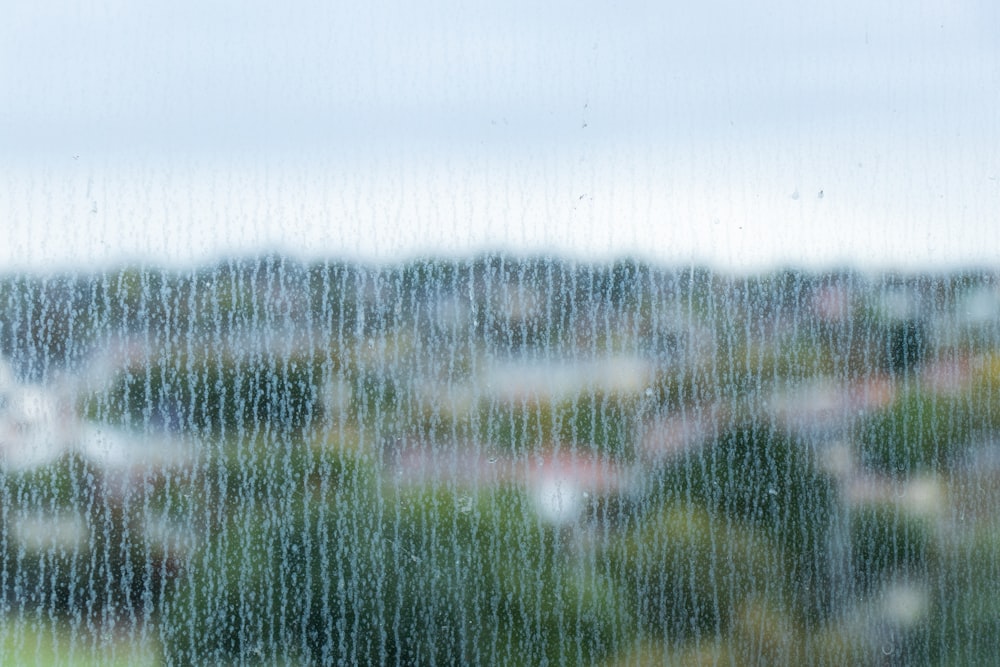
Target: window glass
(499, 333)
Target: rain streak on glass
(497, 460)
(499, 333)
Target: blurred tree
(757, 476)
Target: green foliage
(45, 323)
(214, 394)
(284, 473)
(965, 626)
(274, 559)
(922, 432)
(888, 542)
(26, 641)
(418, 577)
(493, 583)
(374, 397)
(685, 570)
(757, 476)
(600, 423)
(303, 555)
(72, 543)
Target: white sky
(698, 132)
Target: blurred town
(500, 460)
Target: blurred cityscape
(499, 460)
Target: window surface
(499, 333)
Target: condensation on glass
(498, 460)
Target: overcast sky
(743, 135)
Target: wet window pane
(517, 335)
